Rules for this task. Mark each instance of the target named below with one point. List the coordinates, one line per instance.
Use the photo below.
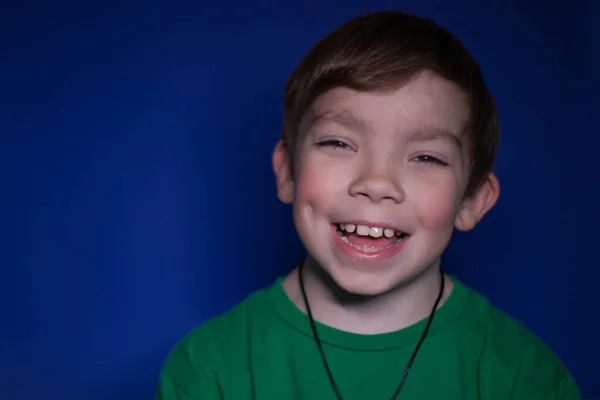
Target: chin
(372, 283)
(363, 284)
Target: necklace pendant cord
(322, 352)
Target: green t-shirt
(264, 349)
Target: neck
(396, 309)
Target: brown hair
(382, 51)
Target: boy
(388, 142)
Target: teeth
(367, 249)
(376, 232)
(363, 230)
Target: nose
(377, 186)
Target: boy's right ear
(283, 173)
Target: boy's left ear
(474, 207)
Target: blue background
(138, 200)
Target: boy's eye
(427, 159)
(336, 144)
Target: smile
(369, 239)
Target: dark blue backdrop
(137, 197)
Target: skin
(397, 159)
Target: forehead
(425, 102)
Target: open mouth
(369, 239)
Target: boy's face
(370, 161)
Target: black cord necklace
(320, 347)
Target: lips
(368, 241)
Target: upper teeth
(363, 230)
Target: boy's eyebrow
(345, 118)
(427, 134)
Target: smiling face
(379, 182)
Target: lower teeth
(369, 249)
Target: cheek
(315, 182)
(314, 196)
(436, 205)
(309, 188)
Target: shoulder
(212, 348)
(218, 336)
(514, 352)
